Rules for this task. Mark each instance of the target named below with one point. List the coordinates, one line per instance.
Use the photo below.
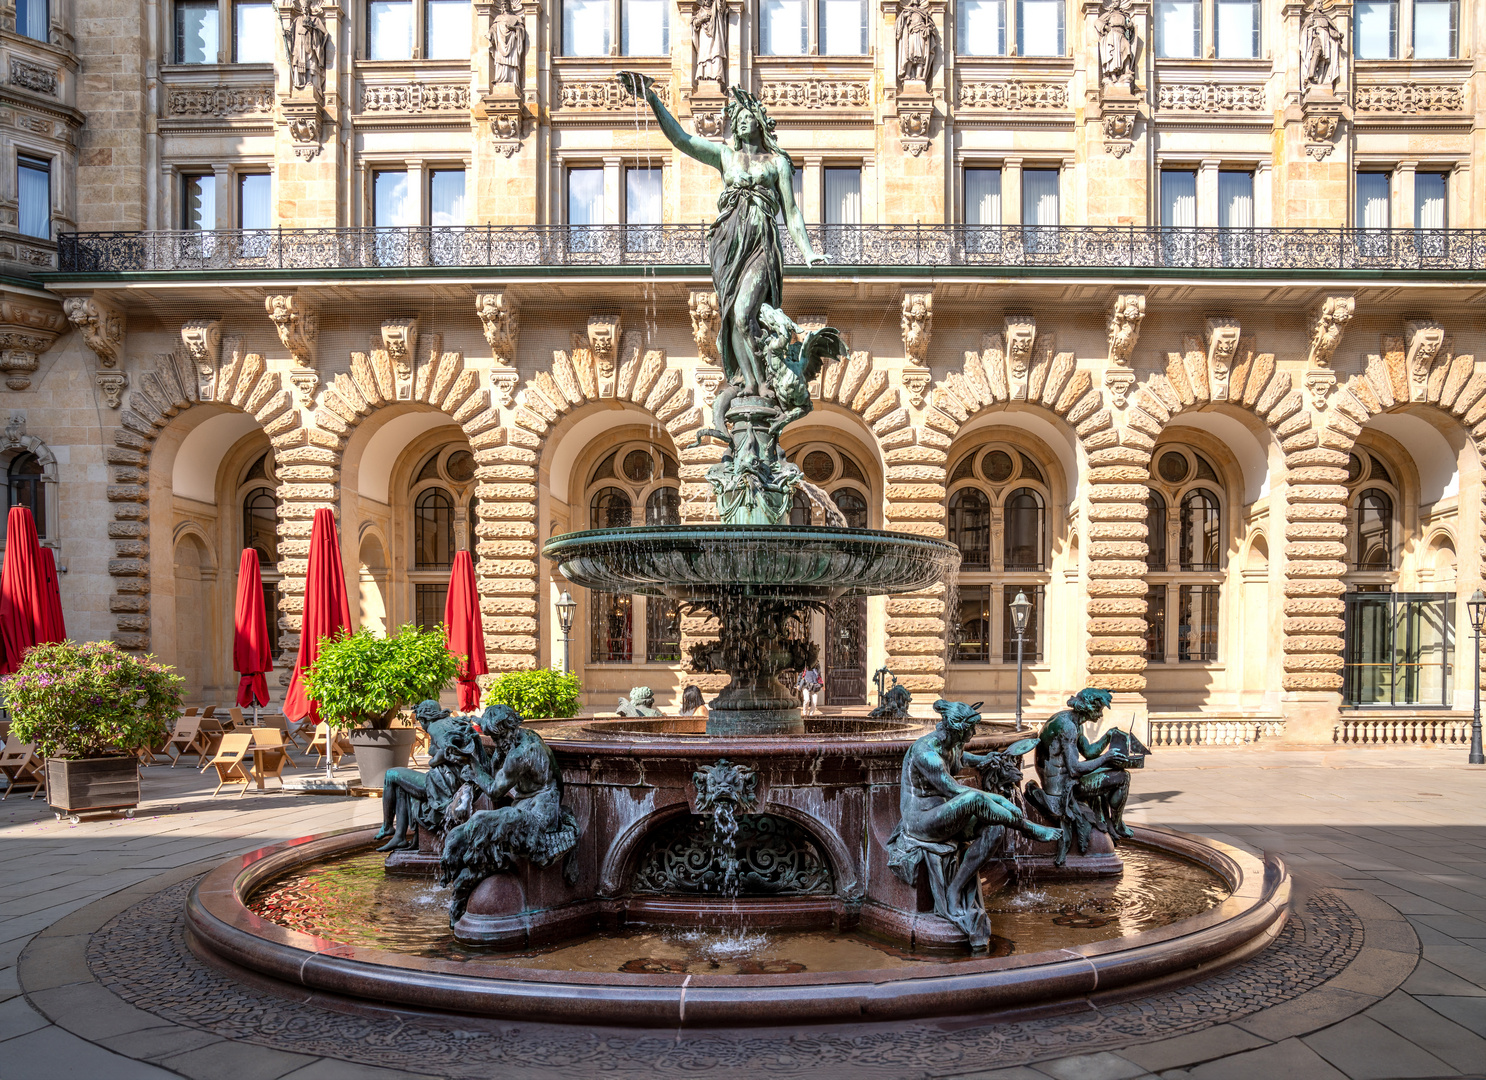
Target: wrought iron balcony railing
(1009, 247)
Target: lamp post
(1476, 605)
(566, 605)
(1021, 608)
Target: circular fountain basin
(765, 562)
(881, 984)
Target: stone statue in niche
(1084, 785)
(918, 40)
(441, 797)
(1320, 49)
(950, 829)
(1116, 30)
(309, 42)
(639, 704)
(709, 42)
(508, 45)
(528, 823)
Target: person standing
(809, 686)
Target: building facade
(1165, 313)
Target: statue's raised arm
(704, 150)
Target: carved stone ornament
(500, 317)
(203, 341)
(1119, 382)
(917, 324)
(1210, 97)
(708, 123)
(603, 343)
(26, 331)
(15, 431)
(1021, 335)
(111, 385)
(28, 76)
(1013, 95)
(1119, 132)
(706, 321)
(708, 378)
(1319, 383)
(508, 41)
(1422, 338)
(298, 327)
(1410, 98)
(305, 384)
(609, 94)
(219, 101)
(914, 120)
(916, 385)
(503, 385)
(416, 97)
(102, 326)
(1327, 321)
(507, 114)
(400, 339)
(1222, 346)
(815, 94)
(709, 43)
(1323, 118)
(303, 119)
(1124, 327)
(307, 43)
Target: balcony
(953, 249)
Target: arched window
(663, 507)
(799, 510)
(23, 488)
(611, 508)
(433, 530)
(852, 505)
(970, 527)
(1374, 530)
(1201, 533)
(1024, 530)
(1155, 526)
(261, 525)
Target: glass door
(1399, 649)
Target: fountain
(855, 847)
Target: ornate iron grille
(995, 247)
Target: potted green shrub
(540, 694)
(361, 682)
(89, 708)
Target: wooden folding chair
(236, 721)
(270, 755)
(280, 723)
(336, 745)
(20, 766)
(210, 710)
(211, 734)
(192, 711)
(151, 755)
(186, 739)
(229, 763)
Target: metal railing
(1071, 247)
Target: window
(1178, 198)
(642, 196)
(645, 27)
(662, 631)
(389, 29)
(585, 196)
(610, 509)
(843, 27)
(446, 197)
(980, 27)
(34, 191)
(1040, 208)
(33, 19)
(429, 601)
(1372, 200)
(254, 201)
(1238, 29)
(982, 196)
(1436, 29)
(390, 206)
(1032, 635)
(1398, 648)
(1155, 623)
(1200, 536)
(840, 29)
(612, 628)
(1197, 624)
(199, 201)
(261, 525)
(1024, 537)
(1374, 530)
(23, 487)
(433, 530)
(253, 32)
(843, 207)
(1178, 29)
(1429, 200)
(972, 628)
(970, 527)
(196, 39)
(587, 27)
(852, 506)
(1235, 199)
(1376, 29)
(1155, 526)
(447, 30)
(663, 507)
(1039, 28)
(781, 30)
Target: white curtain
(390, 29)
(1039, 28)
(253, 32)
(196, 31)
(1040, 196)
(31, 19)
(781, 28)
(1235, 200)
(450, 29)
(585, 196)
(843, 27)
(1178, 28)
(1372, 200)
(642, 196)
(585, 27)
(255, 202)
(200, 201)
(1434, 29)
(1178, 199)
(1429, 201)
(982, 196)
(35, 217)
(647, 28)
(980, 29)
(390, 199)
(1238, 29)
(843, 196)
(1377, 29)
(446, 197)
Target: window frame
(617, 33)
(1168, 578)
(422, 34)
(814, 32)
(46, 21)
(34, 162)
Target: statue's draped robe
(743, 243)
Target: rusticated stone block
(1314, 643)
(1119, 511)
(915, 665)
(902, 437)
(1086, 406)
(1117, 683)
(506, 549)
(507, 568)
(1151, 404)
(491, 530)
(1118, 549)
(1118, 474)
(1103, 628)
(309, 472)
(1334, 459)
(901, 606)
(1101, 439)
(1303, 441)
(1316, 549)
(1316, 568)
(916, 455)
(1116, 645)
(1117, 568)
(934, 530)
(1311, 681)
(118, 455)
(507, 605)
(1314, 493)
(137, 602)
(915, 646)
(903, 474)
(323, 494)
(930, 437)
(1102, 587)
(1097, 421)
(129, 641)
(130, 476)
(1316, 530)
(506, 455)
(919, 627)
(1315, 625)
(494, 473)
(894, 420)
(1117, 606)
(1289, 405)
(1112, 663)
(1117, 530)
(1293, 425)
(1320, 586)
(924, 511)
(505, 492)
(1138, 440)
(1313, 661)
(1316, 511)
(128, 530)
(503, 586)
(1318, 474)
(922, 684)
(1137, 420)
(1314, 606)
(501, 662)
(131, 549)
(1128, 493)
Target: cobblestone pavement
(1381, 973)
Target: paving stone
(1017, 1072)
(235, 1060)
(1103, 1066)
(152, 1044)
(1366, 1050)
(330, 1069)
(1215, 1042)
(52, 1052)
(1424, 1027)
(1289, 1059)
(1468, 1012)
(17, 1018)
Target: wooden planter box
(88, 785)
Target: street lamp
(1021, 608)
(1476, 605)
(566, 605)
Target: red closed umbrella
(56, 624)
(23, 607)
(463, 633)
(326, 611)
(252, 654)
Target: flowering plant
(361, 680)
(90, 699)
